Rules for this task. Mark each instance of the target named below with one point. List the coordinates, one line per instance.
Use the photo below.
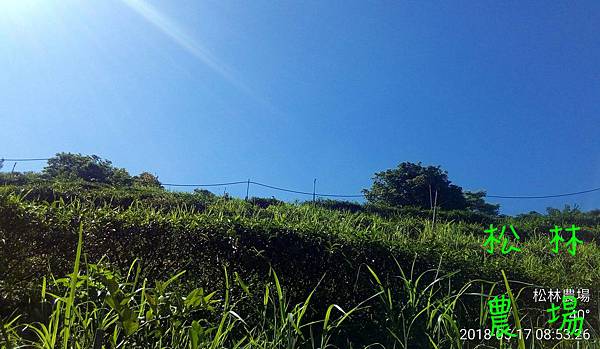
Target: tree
(90, 168)
(412, 184)
(476, 202)
(147, 179)
(204, 193)
(415, 185)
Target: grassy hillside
(284, 275)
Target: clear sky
(503, 95)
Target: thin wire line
(340, 195)
(282, 189)
(543, 196)
(330, 195)
(307, 193)
(23, 160)
(203, 185)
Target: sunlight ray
(171, 29)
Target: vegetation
(84, 168)
(413, 184)
(90, 168)
(91, 264)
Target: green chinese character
(492, 240)
(499, 311)
(573, 241)
(572, 323)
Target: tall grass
(422, 284)
(101, 309)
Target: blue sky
(503, 95)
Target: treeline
(408, 190)
(78, 167)
(99, 194)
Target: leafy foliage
(265, 202)
(147, 179)
(413, 184)
(342, 268)
(101, 308)
(89, 168)
(476, 202)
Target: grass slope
(411, 283)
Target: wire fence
(248, 183)
(315, 194)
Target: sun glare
(19, 6)
(19, 13)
